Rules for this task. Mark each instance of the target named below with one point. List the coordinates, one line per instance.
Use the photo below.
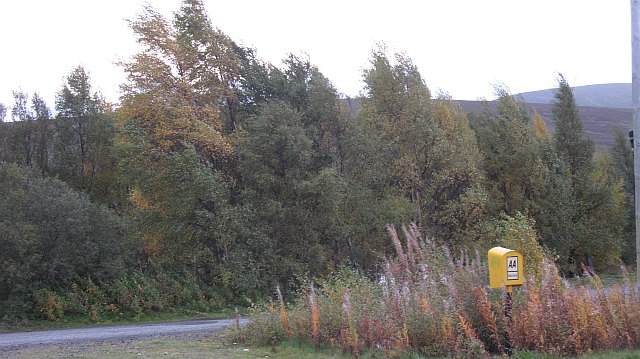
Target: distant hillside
(604, 95)
(599, 122)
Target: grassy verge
(183, 346)
(608, 279)
(624, 354)
(79, 321)
(217, 346)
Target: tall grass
(430, 302)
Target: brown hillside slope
(599, 122)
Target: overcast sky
(460, 46)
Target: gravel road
(37, 338)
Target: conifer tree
(569, 138)
(557, 204)
(598, 218)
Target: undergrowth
(428, 302)
(132, 296)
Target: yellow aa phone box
(505, 268)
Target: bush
(49, 236)
(518, 233)
(49, 305)
(62, 254)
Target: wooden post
(507, 303)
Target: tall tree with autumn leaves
(172, 148)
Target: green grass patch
(611, 278)
(186, 346)
(625, 354)
(217, 345)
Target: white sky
(460, 46)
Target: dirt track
(40, 338)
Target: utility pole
(635, 93)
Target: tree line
(219, 175)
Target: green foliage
(518, 233)
(225, 175)
(516, 177)
(524, 174)
(555, 220)
(572, 197)
(18, 138)
(49, 305)
(569, 138)
(606, 216)
(132, 295)
(622, 158)
(598, 217)
(622, 170)
(279, 178)
(74, 147)
(179, 204)
(419, 149)
(527, 354)
(84, 136)
(51, 235)
(171, 146)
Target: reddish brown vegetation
(430, 303)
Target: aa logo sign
(512, 268)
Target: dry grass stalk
(315, 314)
(402, 257)
(283, 313)
(448, 333)
(466, 328)
(488, 317)
(272, 306)
(425, 306)
(413, 248)
(352, 329)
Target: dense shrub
(50, 235)
(137, 293)
(61, 254)
(518, 233)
